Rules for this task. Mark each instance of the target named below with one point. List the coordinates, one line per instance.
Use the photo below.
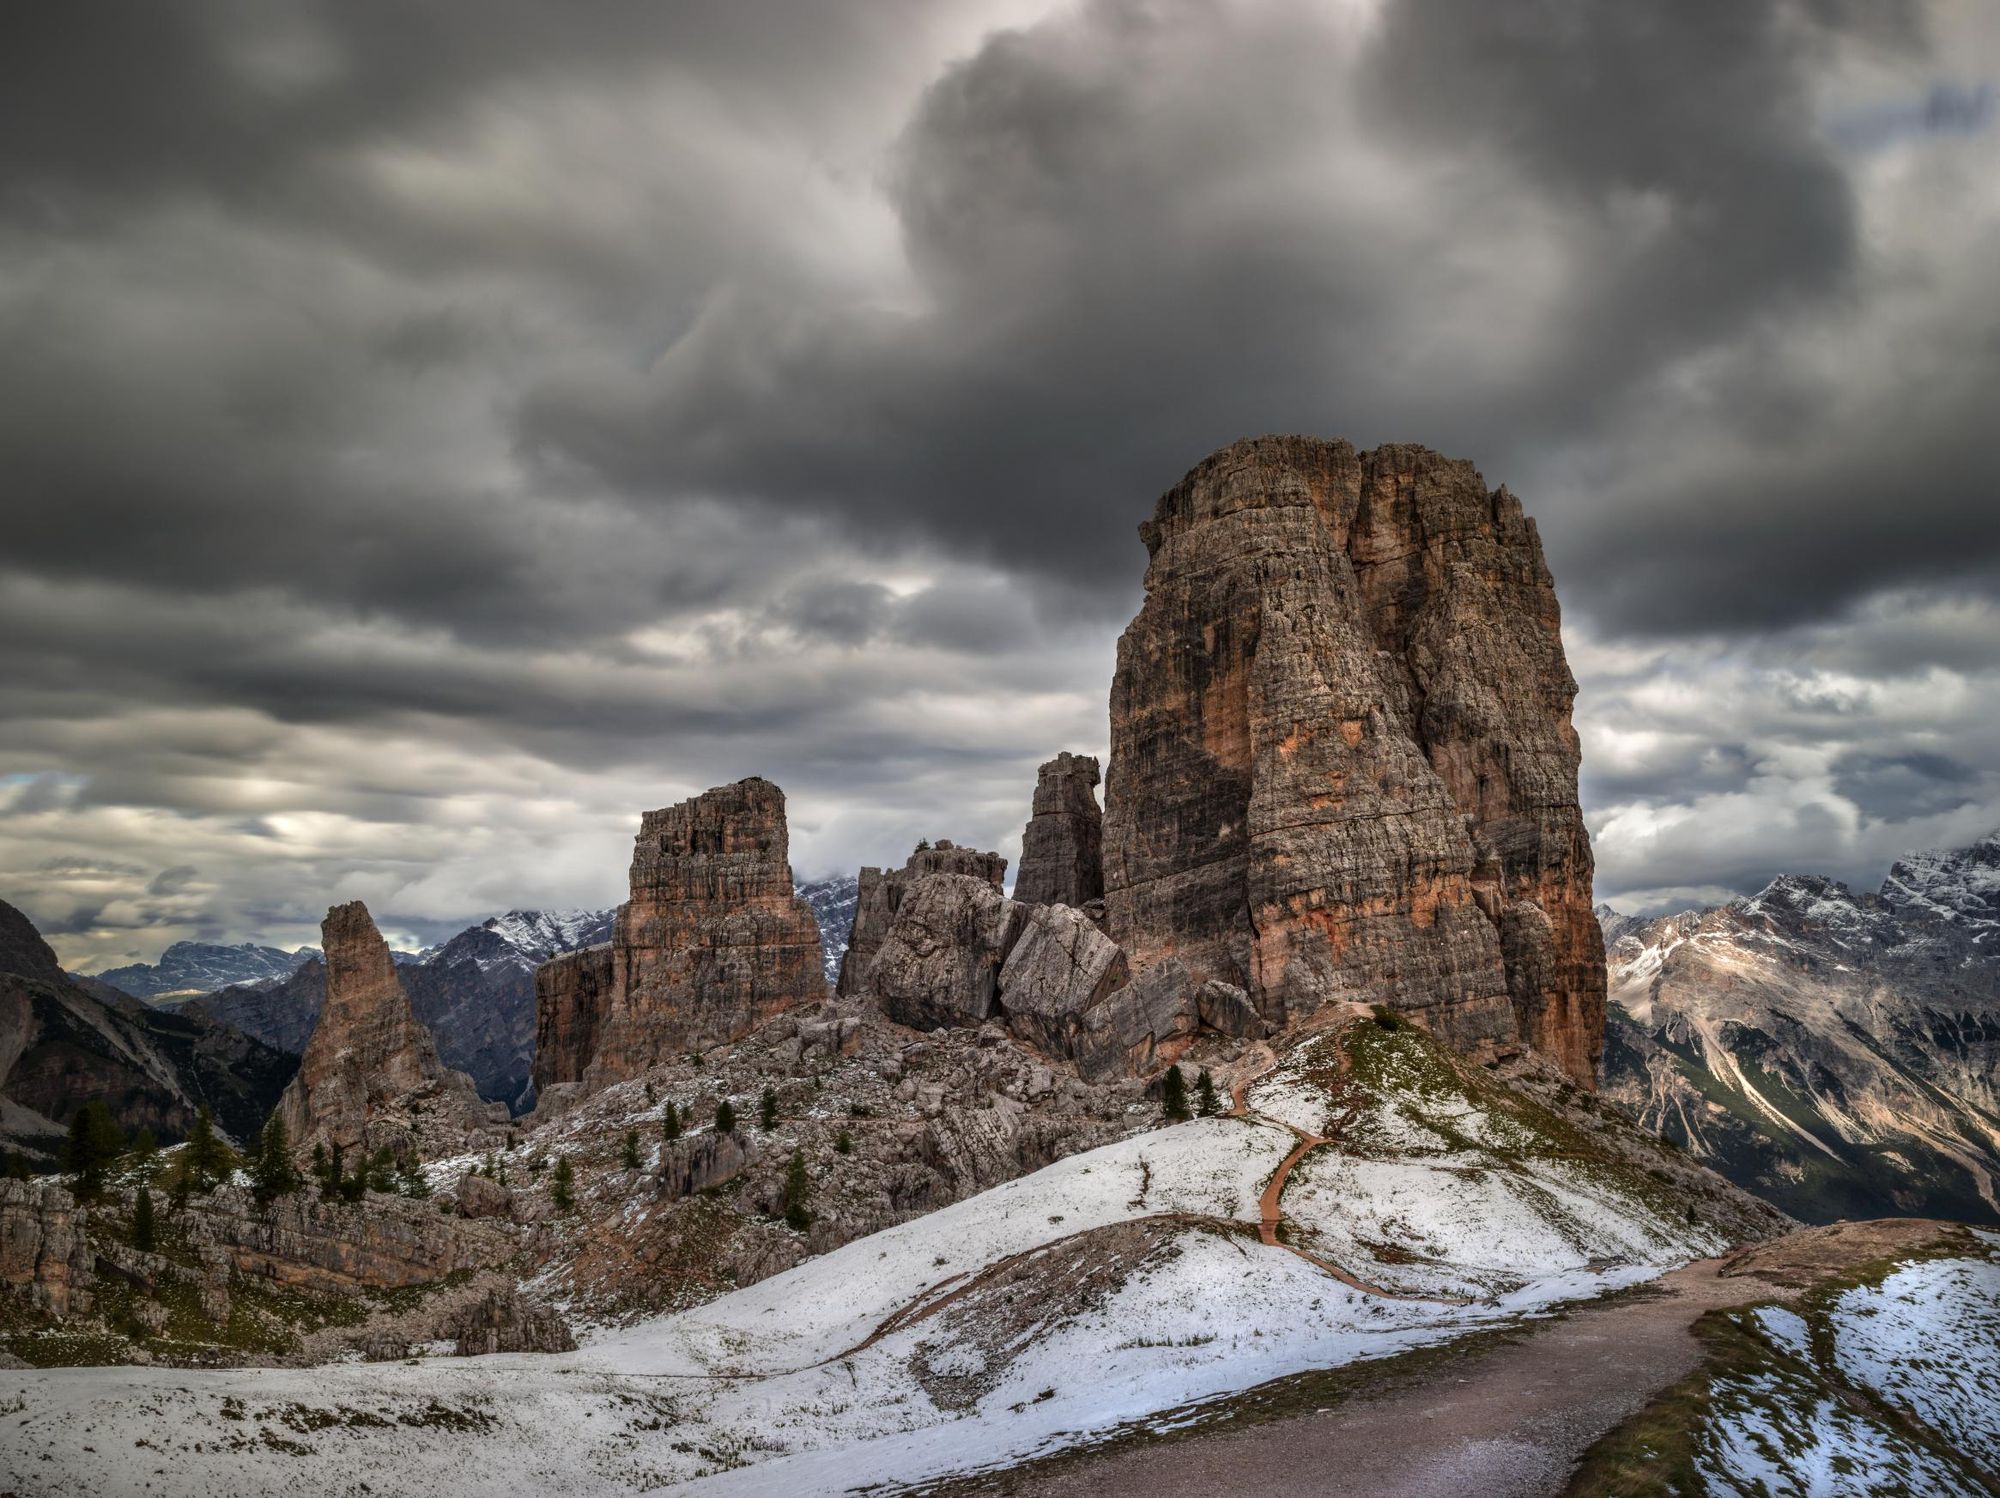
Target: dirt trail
(1510, 1422)
(1270, 1214)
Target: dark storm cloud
(432, 433)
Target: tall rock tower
(1342, 763)
(713, 942)
(1062, 858)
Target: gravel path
(1511, 1423)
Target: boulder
(939, 964)
(480, 1196)
(1225, 1008)
(1135, 1028)
(1060, 967)
(879, 894)
(700, 1161)
(502, 1321)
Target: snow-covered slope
(1838, 1054)
(1375, 1195)
(1885, 1387)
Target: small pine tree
(650, 1093)
(670, 1123)
(797, 1188)
(144, 1235)
(767, 1110)
(17, 1166)
(563, 1193)
(1205, 1099)
(629, 1156)
(272, 1174)
(93, 1146)
(209, 1161)
(843, 1143)
(410, 1178)
(725, 1117)
(333, 1175)
(1173, 1095)
(144, 1145)
(694, 1060)
(923, 845)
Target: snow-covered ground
(1925, 1341)
(1110, 1287)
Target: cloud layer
(432, 438)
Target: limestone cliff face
(1062, 854)
(1342, 761)
(713, 943)
(370, 1076)
(879, 894)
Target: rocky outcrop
(43, 1255)
(1062, 847)
(501, 1321)
(713, 942)
(1342, 762)
(370, 1078)
(879, 894)
(688, 1166)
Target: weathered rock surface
(713, 942)
(502, 1321)
(1142, 1027)
(1342, 761)
(1062, 847)
(879, 895)
(481, 1196)
(370, 1077)
(940, 962)
(42, 1254)
(1061, 966)
(697, 1164)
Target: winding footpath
(1508, 1422)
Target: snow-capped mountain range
(833, 900)
(201, 967)
(1837, 1053)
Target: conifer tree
(93, 1146)
(670, 1123)
(144, 1235)
(1173, 1095)
(563, 1193)
(725, 1117)
(334, 1178)
(629, 1156)
(410, 1178)
(1204, 1091)
(797, 1187)
(208, 1160)
(144, 1145)
(272, 1173)
(843, 1143)
(17, 1166)
(767, 1110)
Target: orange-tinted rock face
(713, 943)
(370, 1076)
(1342, 762)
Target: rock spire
(1342, 764)
(1062, 853)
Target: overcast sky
(434, 433)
